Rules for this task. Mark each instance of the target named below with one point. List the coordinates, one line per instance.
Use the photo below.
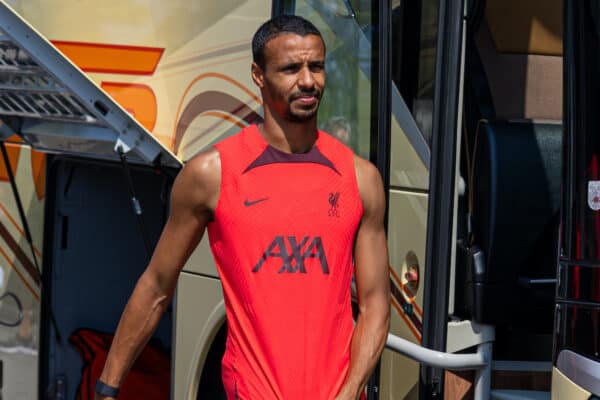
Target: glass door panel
(413, 57)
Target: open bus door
(50, 105)
(576, 372)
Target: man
(289, 211)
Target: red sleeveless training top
(282, 239)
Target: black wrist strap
(106, 390)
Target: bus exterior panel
(19, 345)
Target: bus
(479, 115)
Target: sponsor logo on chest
(293, 252)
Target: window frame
(442, 190)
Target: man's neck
(289, 137)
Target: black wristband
(106, 390)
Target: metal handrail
(479, 361)
(438, 359)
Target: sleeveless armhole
(355, 184)
(221, 185)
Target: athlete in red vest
(291, 215)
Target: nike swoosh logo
(249, 203)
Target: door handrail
(480, 361)
(438, 359)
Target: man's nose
(306, 79)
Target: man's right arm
(193, 199)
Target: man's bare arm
(193, 199)
(372, 283)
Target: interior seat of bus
(511, 160)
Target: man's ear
(258, 75)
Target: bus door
(392, 95)
(576, 370)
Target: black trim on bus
(442, 188)
(381, 79)
(47, 256)
(383, 48)
(569, 126)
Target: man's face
(293, 78)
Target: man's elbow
(378, 313)
(383, 328)
(155, 286)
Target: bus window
(346, 27)
(414, 35)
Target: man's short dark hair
(277, 26)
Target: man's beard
(303, 115)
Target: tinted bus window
(414, 38)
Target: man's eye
(317, 67)
(290, 68)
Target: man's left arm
(372, 283)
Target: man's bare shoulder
(204, 166)
(370, 185)
(366, 173)
(199, 180)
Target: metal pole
(483, 376)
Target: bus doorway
(508, 216)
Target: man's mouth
(306, 99)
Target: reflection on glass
(340, 128)
(414, 35)
(414, 39)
